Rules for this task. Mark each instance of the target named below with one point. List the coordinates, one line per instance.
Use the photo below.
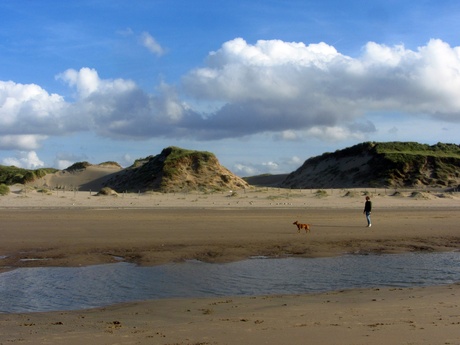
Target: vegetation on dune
(375, 164)
(176, 169)
(4, 189)
(44, 191)
(78, 166)
(413, 164)
(10, 175)
(110, 164)
(174, 153)
(413, 148)
(177, 157)
(321, 193)
(396, 148)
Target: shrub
(29, 176)
(107, 191)
(44, 191)
(4, 189)
(320, 193)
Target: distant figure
(367, 211)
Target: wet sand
(374, 316)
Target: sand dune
(90, 178)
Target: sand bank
(376, 316)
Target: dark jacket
(368, 206)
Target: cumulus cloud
(27, 160)
(87, 82)
(280, 86)
(290, 89)
(27, 109)
(120, 109)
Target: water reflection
(57, 288)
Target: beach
(75, 228)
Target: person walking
(367, 211)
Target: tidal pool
(70, 288)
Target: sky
(264, 85)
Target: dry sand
(78, 228)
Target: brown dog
(301, 226)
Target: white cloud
(27, 160)
(332, 134)
(119, 109)
(288, 89)
(28, 109)
(245, 170)
(62, 164)
(21, 142)
(288, 135)
(87, 83)
(295, 160)
(149, 42)
(271, 167)
(280, 86)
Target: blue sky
(264, 85)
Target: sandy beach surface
(67, 228)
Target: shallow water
(59, 288)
